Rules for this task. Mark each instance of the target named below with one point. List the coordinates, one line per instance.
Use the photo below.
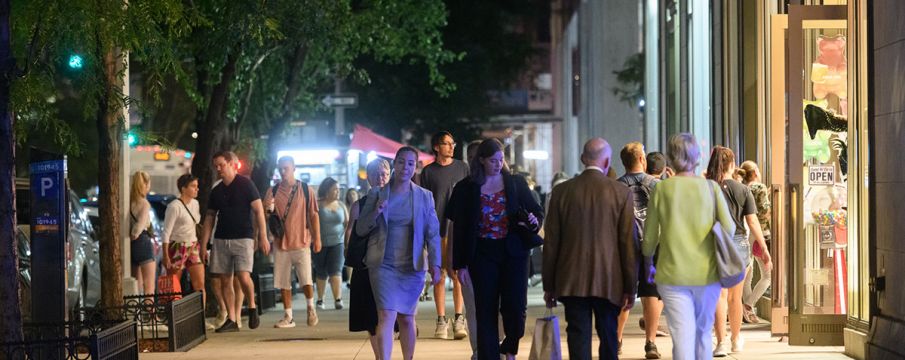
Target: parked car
(83, 273)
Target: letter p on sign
(46, 184)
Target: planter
(75, 340)
(163, 326)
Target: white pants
(750, 296)
(690, 311)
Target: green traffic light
(132, 139)
(75, 61)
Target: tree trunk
(11, 316)
(211, 128)
(110, 134)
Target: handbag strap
(188, 211)
(291, 197)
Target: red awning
(366, 140)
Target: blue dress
(396, 284)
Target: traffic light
(75, 61)
(132, 139)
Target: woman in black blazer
(494, 219)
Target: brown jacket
(589, 241)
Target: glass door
(818, 173)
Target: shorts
(230, 256)
(743, 247)
(142, 250)
(645, 288)
(284, 260)
(183, 255)
(328, 262)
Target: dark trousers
(501, 288)
(578, 318)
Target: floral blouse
(762, 200)
(494, 220)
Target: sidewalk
(330, 339)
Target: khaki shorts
(284, 260)
(232, 255)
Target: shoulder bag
(358, 245)
(275, 224)
(729, 264)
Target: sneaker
(650, 351)
(460, 331)
(320, 305)
(619, 348)
(312, 317)
(209, 326)
(228, 326)
(442, 331)
(720, 350)
(338, 304)
(254, 320)
(738, 345)
(221, 318)
(284, 323)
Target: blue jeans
(690, 311)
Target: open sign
(822, 175)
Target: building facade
(811, 90)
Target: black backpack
(641, 192)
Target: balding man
(590, 253)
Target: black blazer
(464, 209)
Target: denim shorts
(743, 247)
(142, 251)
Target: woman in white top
(142, 250)
(179, 236)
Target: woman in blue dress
(400, 222)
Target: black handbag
(358, 245)
(275, 224)
(529, 236)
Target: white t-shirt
(179, 222)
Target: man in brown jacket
(590, 253)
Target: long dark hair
(721, 158)
(485, 150)
(325, 187)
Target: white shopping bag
(546, 344)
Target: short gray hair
(684, 152)
(376, 164)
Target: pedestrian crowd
(658, 232)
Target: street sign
(346, 100)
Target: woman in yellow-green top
(681, 213)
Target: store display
(818, 119)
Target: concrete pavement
(330, 339)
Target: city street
(330, 340)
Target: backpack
(641, 192)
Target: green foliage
(46, 33)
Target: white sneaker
(338, 304)
(239, 322)
(721, 350)
(460, 331)
(209, 326)
(320, 305)
(738, 345)
(284, 323)
(221, 318)
(442, 331)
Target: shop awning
(366, 140)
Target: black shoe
(650, 351)
(254, 320)
(228, 326)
